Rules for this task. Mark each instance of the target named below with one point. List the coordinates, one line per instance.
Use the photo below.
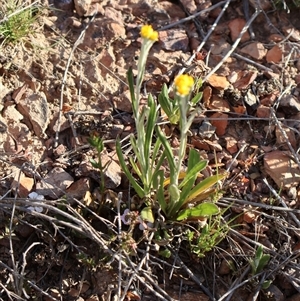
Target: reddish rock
(55, 183)
(123, 102)
(231, 145)
(174, 40)
(276, 38)
(87, 8)
(256, 50)
(274, 55)
(22, 184)
(219, 82)
(281, 139)
(101, 32)
(78, 189)
(220, 121)
(280, 166)
(35, 110)
(225, 267)
(236, 27)
(263, 111)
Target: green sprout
(16, 21)
(97, 142)
(258, 263)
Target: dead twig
(235, 44)
(77, 43)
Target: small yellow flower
(184, 83)
(147, 32)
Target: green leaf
(174, 192)
(158, 180)
(138, 189)
(165, 253)
(169, 105)
(139, 154)
(164, 100)
(259, 252)
(192, 174)
(168, 149)
(94, 163)
(150, 126)
(201, 210)
(135, 167)
(147, 214)
(130, 79)
(196, 98)
(194, 167)
(203, 186)
(157, 159)
(262, 262)
(266, 284)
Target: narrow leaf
(138, 189)
(203, 186)
(202, 210)
(164, 100)
(147, 214)
(151, 120)
(168, 150)
(158, 180)
(196, 98)
(130, 79)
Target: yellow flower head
(184, 83)
(147, 32)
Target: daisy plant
(184, 196)
(144, 163)
(178, 195)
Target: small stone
(112, 170)
(263, 4)
(11, 114)
(292, 32)
(189, 5)
(220, 121)
(55, 183)
(123, 102)
(256, 50)
(101, 32)
(263, 111)
(281, 139)
(289, 104)
(174, 40)
(59, 150)
(280, 166)
(24, 230)
(276, 38)
(219, 82)
(224, 268)
(298, 65)
(274, 55)
(236, 27)
(78, 189)
(22, 184)
(35, 110)
(231, 145)
(82, 7)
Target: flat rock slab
(55, 183)
(35, 110)
(280, 166)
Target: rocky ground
(66, 80)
